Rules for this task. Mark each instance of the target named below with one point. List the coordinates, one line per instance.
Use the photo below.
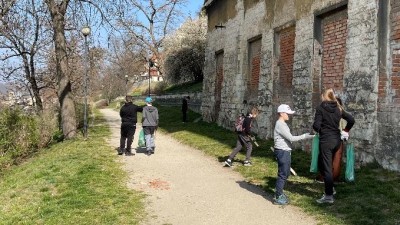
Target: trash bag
(349, 174)
(141, 141)
(314, 154)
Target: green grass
(187, 87)
(372, 199)
(73, 182)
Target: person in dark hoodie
(244, 140)
(326, 124)
(185, 108)
(128, 114)
(150, 124)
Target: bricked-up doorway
(218, 82)
(253, 69)
(334, 36)
(284, 55)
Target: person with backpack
(128, 114)
(282, 150)
(150, 124)
(243, 139)
(326, 124)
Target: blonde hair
(329, 95)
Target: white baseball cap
(285, 109)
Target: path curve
(186, 187)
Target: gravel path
(186, 187)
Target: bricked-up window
(334, 34)
(286, 56)
(254, 67)
(395, 38)
(218, 80)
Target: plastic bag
(349, 174)
(314, 154)
(141, 141)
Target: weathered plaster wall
(375, 131)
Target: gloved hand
(308, 136)
(344, 135)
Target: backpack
(239, 123)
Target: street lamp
(151, 64)
(85, 31)
(126, 84)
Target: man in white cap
(282, 149)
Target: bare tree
(145, 24)
(22, 36)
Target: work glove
(308, 136)
(344, 136)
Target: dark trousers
(184, 116)
(327, 151)
(127, 133)
(241, 141)
(284, 161)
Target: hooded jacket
(327, 119)
(150, 116)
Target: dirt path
(185, 187)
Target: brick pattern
(286, 57)
(395, 38)
(255, 66)
(334, 50)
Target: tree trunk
(67, 105)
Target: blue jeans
(284, 161)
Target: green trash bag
(141, 141)
(314, 154)
(349, 174)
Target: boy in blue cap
(150, 124)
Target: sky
(194, 6)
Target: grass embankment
(184, 88)
(372, 199)
(74, 182)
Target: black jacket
(128, 113)
(327, 119)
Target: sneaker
(228, 162)
(129, 154)
(326, 199)
(334, 191)
(247, 163)
(148, 153)
(120, 151)
(281, 200)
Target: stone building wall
(352, 46)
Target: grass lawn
(73, 182)
(372, 199)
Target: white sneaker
(326, 199)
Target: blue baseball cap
(148, 99)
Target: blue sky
(194, 6)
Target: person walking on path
(185, 108)
(282, 150)
(244, 139)
(150, 124)
(128, 114)
(326, 123)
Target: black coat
(128, 113)
(327, 119)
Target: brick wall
(286, 59)
(254, 67)
(334, 50)
(395, 38)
